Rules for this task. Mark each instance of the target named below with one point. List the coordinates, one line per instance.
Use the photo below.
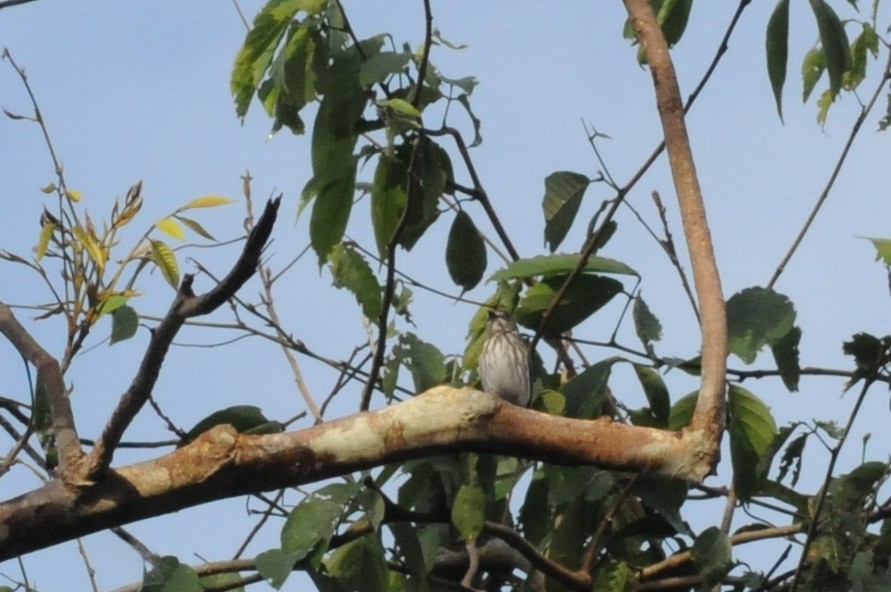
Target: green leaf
(465, 252)
(351, 271)
(586, 295)
(275, 566)
(425, 362)
(165, 259)
(672, 18)
(848, 492)
(408, 546)
(331, 213)
(612, 576)
(883, 249)
(560, 264)
(240, 417)
(866, 42)
(222, 581)
(646, 325)
(785, 354)
(564, 191)
(656, 393)
(255, 55)
(432, 171)
(777, 45)
(388, 197)
(208, 201)
(468, 511)
(682, 411)
(834, 42)
(381, 66)
(812, 67)
(585, 394)
(757, 317)
(400, 106)
(535, 513)
(713, 555)
(124, 323)
(169, 575)
(665, 496)
(477, 138)
(311, 525)
(752, 431)
(567, 542)
(360, 565)
(112, 303)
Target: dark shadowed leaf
(646, 325)
(777, 45)
(713, 555)
(757, 317)
(672, 17)
(752, 431)
(351, 271)
(388, 196)
(425, 362)
(240, 417)
(465, 252)
(656, 393)
(682, 411)
(834, 42)
(563, 196)
(586, 295)
(585, 394)
(360, 566)
(785, 353)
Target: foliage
(372, 105)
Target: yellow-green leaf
(46, 233)
(74, 195)
(171, 227)
(165, 259)
(48, 188)
(208, 201)
(92, 246)
(195, 227)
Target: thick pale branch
(709, 414)
(222, 463)
(186, 305)
(50, 375)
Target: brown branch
(185, 305)
(49, 373)
(709, 414)
(222, 463)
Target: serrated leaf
(655, 391)
(208, 201)
(275, 566)
(171, 228)
(124, 323)
(785, 354)
(466, 257)
(91, 245)
(46, 233)
(834, 42)
(240, 417)
(757, 317)
(586, 295)
(646, 325)
(350, 270)
(195, 227)
(752, 431)
(468, 511)
(777, 46)
(712, 553)
(165, 259)
(563, 195)
(559, 264)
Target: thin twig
(864, 112)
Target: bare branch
(185, 305)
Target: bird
(504, 360)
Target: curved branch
(222, 463)
(709, 414)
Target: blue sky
(136, 90)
